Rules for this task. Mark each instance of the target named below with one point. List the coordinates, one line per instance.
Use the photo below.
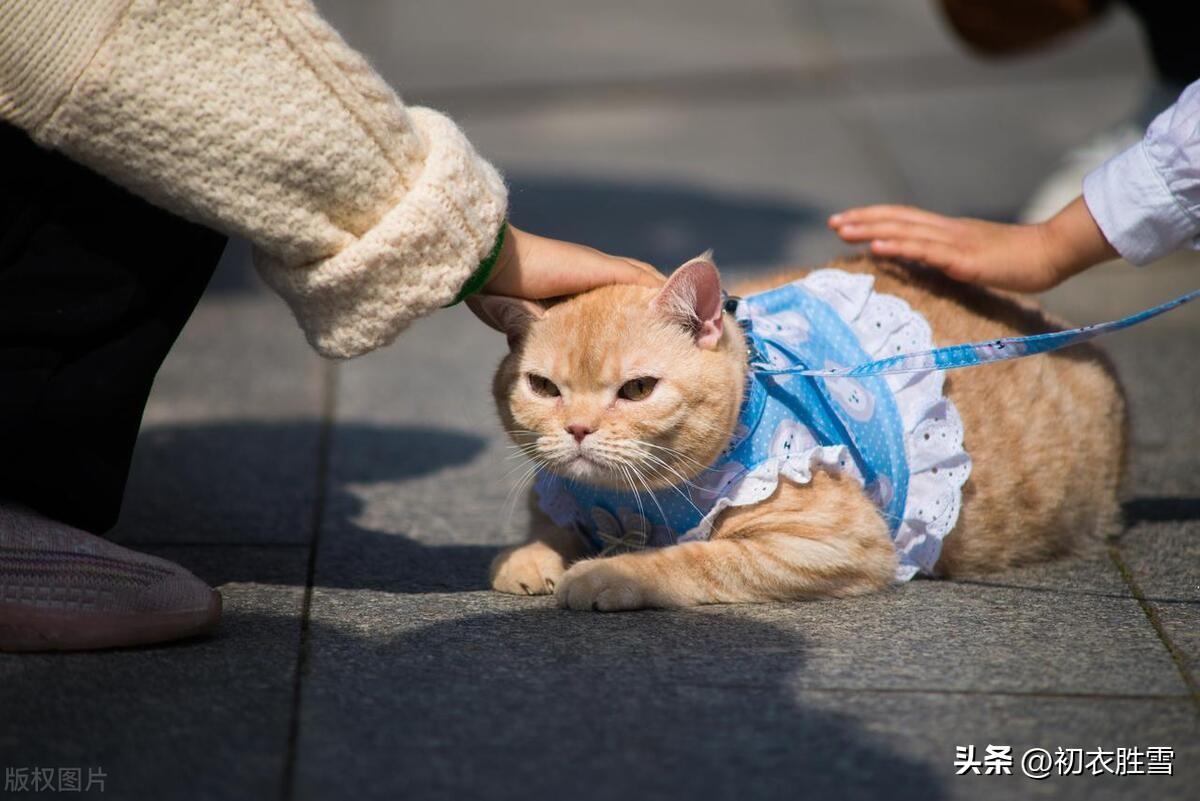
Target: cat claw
(600, 586)
(528, 570)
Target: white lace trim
(933, 434)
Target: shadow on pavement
(253, 483)
(663, 224)
(542, 703)
(441, 702)
(1161, 510)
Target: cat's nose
(578, 431)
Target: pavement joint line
(1052, 590)
(1064, 695)
(329, 388)
(1156, 623)
(739, 85)
(216, 544)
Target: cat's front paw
(603, 585)
(530, 569)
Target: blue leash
(995, 350)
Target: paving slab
(1163, 554)
(929, 728)
(419, 475)
(207, 718)
(1158, 368)
(1157, 365)
(1163, 559)
(982, 150)
(411, 669)
(1117, 288)
(737, 127)
(228, 448)
(909, 43)
(435, 45)
(754, 179)
(443, 696)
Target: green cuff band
(483, 272)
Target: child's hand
(1004, 256)
(1025, 258)
(534, 267)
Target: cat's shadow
(1161, 509)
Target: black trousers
(95, 285)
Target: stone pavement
(348, 512)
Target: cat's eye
(542, 386)
(638, 388)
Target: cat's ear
(510, 316)
(692, 297)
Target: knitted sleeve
(255, 118)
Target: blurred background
(660, 129)
(349, 511)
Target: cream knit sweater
(255, 118)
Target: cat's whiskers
(699, 466)
(653, 495)
(667, 481)
(677, 477)
(534, 465)
(515, 431)
(681, 493)
(527, 452)
(520, 466)
(514, 493)
(614, 452)
(629, 470)
(637, 495)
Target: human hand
(534, 267)
(1024, 258)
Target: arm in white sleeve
(1147, 199)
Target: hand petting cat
(1140, 204)
(534, 267)
(1023, 258)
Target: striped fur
(1047, 437)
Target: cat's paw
(530, 569)
(603, 585)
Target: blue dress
(897, 435)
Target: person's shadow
(439, 701)
(250, 483)
(434, 699)
(548, 704)
(245, 483)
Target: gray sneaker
(62, 589)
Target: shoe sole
(25, 629)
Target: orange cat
(628, 389)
